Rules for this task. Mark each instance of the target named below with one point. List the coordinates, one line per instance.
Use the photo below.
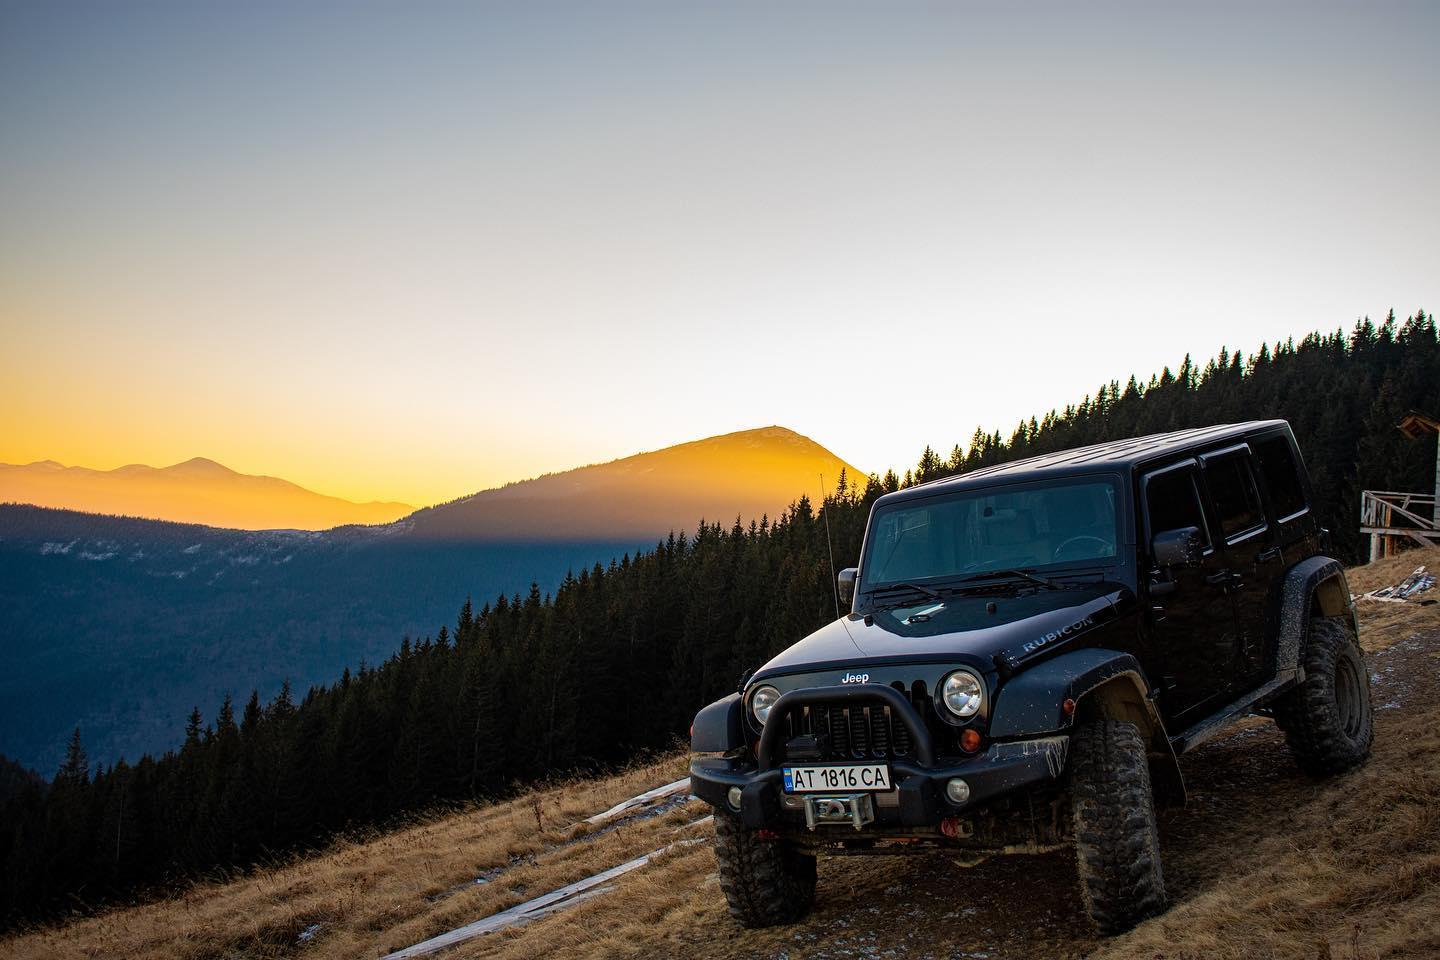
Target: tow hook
(957, 829)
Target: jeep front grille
(859, 732)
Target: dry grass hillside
(1261, 863)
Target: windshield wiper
(1015, 573)
(915, 587)
(1033, 578)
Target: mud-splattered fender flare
(1314, 585)
(1102, 682)
(718, 727)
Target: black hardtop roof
(1117, 454)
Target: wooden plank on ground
(644, 799)
(566, 896)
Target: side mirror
(1177, 548)
(846, 580)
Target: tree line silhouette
(617, 660)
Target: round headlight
(963, 693)
(761, 701)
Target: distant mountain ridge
(195, 491)
(747, 473)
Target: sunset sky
(407, 251)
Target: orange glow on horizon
(747, 474)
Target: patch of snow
(193, 548)
(309, 933)
(57, 548)
(398, 528)
(87, 555)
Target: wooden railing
(1392, 518)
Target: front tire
(1117, 842)
(1328, 719)
(766, 882)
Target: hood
(955, 629)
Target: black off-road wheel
(1117, 843)
(766, 882)
(1328, 720)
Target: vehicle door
(1191, 620)
(1249, 560)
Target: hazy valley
(122, 625)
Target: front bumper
(918, 799)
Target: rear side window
(1172, 501)
(1282, 475)
(1232, 490)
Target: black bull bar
(1005, 767)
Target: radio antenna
(829, 546)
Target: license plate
(837, 776)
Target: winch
(856, 809)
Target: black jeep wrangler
(1029, 648)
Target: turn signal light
(970, 741)
(1068, 707)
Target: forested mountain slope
(621, 656)
(370, 893)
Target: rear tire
(1328, 719)
(1117, 842)
(766, 882)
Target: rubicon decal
(1060, 634)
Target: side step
(1217, 722)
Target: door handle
(1225, 578)
(1268, 556)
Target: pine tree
(76, 768)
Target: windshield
(1022, 527)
